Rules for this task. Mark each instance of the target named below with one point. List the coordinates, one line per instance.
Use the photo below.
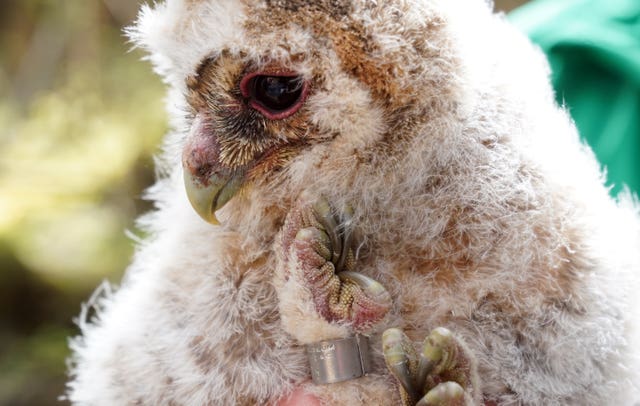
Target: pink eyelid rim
(244, 90)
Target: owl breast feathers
(397, 169)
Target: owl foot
(443, 373)
(317, 248)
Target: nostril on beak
(203, 170)
(198, 162)
(209, 184)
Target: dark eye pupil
(277, 93)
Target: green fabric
(594, 50)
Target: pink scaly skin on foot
(313, 238)
(322, 297)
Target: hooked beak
(209, 183)
(209, 195)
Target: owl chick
(394, 169)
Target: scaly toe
(368, 301)
(438, 352)
(445, 394)
(444, 371)
(326, 220)
(399, 356)
(317, 240)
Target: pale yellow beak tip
(207, 199)
(212, 219)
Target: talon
(347, 236)
(431, 353)
(439, 347)
(325, 217)
(445, 373)
(370, 287)
(365, 301)
(318, 239)
(445, 394)
(397, 350)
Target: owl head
(270, 97)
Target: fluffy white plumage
(476, 205)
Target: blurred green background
(80, 117)
(593, 47)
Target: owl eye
(275, 96)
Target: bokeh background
(80, 118)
